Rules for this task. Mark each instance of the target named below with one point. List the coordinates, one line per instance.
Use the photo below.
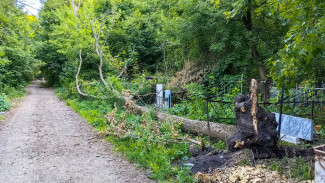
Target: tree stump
(255, 128)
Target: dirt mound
(209, 159)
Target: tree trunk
(247, 20)
(218, 131)
(77, 79)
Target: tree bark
(218, 131)
(77, 78)
(247, 20)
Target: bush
(4, 104)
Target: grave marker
(168, 97)
(296, 127)
(159, 96)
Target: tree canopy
(281, 41)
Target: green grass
(8, 96)
(297, 167)
(150, 144)
(154, 145)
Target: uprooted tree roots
(255, 137)
(255, 128)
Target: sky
(32, 6)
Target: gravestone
(159, 96)
(296, 127)
(168, 98)
(289, 138)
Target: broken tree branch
(253, 97)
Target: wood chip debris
(244, 174)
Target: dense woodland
(95, 51)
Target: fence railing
(221, 111)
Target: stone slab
(160, 95)
(168, 95)
(296, 126)
(291, 139)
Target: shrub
(4, 104)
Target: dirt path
(43, 140)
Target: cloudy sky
(32, 6)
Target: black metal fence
(308, 104)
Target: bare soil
(43, 140)
(209, 159)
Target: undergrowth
(158, 147)
(153, 145)
(297, 167)
(194, 106)
(8, 95)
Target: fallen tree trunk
(218, 131)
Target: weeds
(4, 103)
(296, 167)
(8, 95)
(152, 145)
(158, 146)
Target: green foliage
(301, 169)
(183, 175)
(150, 144)
(302, 55)
(222, 86)
(296, 167)
(220, 145)
(195, 106)
(17, 45)
(139, 38)
(4, 104)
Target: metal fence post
(312, 109)
(280, 117)
(208, 123)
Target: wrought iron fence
(310, 105)
(220, 111)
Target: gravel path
(43, 140)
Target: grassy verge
(9, 96)
(297, 167)
(153, 145)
